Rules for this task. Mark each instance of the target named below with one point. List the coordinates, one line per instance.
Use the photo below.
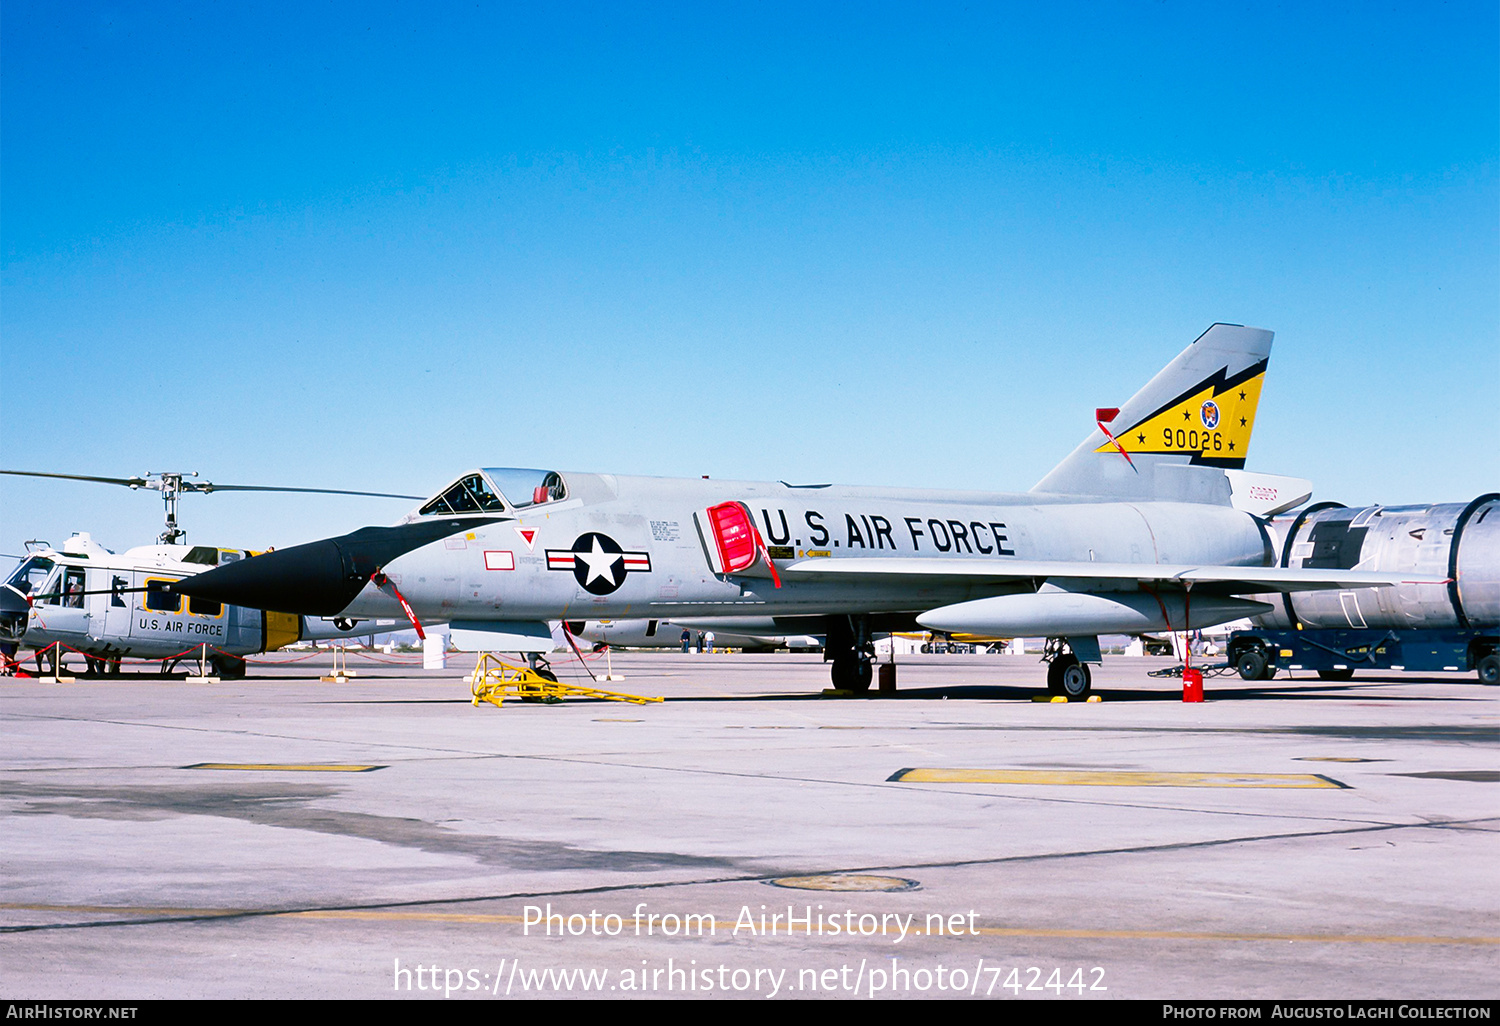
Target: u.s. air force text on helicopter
(1132, 532)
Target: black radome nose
(317, 578)
(12, 602)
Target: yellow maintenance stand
(494, 680)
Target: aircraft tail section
(1175, 438)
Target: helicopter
(111, 606)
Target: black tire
(1054, 673)
(545, 674)
(1489, 669)
(1251, 664)
(227, 666)
(864, 673)
(852, 674)
(1345, 674)
(1069, 678)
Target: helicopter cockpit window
(472, 494)
(528, 487)
(205, 554)
(73, 588)
(30, 575)
(66, 589)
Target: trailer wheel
(1252, 664)
(1489, 669)
(1345, 674)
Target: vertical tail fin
(1176, 437)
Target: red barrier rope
(569, 635)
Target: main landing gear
(1066, 674)
(539, 666)
(851, 652)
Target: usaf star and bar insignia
(598, 563)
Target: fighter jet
(1150, 524)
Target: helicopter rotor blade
(129, 482)
(205, 487)
(209, 486)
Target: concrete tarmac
(280, 836)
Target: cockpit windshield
(476, 493)
(471, 494)
(30, 575)
(527, 487)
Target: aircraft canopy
(490, 490)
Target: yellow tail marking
(1208, 424)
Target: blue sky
(347, 245)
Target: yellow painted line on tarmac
(287, 767)
(630, 924)
(844, 882)
(1310, 938)
(1110, 778)
(122, 910)
(421, 917)
(1182, 935)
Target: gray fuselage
(531, 564)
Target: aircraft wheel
(227, 666)
(1068, 677)
(545, 674)
(863, 674)
(1252, 665)
(852, 674)
(1336, 674)
(1489, 669)
(838, 674)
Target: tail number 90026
(1191, 438)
